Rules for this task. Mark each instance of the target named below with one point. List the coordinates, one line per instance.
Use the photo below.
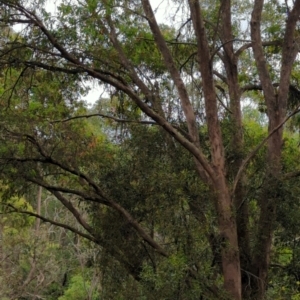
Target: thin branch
(169, 42)
(216, 29)
(223, 104)
(254, 87)
(30, 275)
(34, 64)
(227, 42)
(81, 69)
(15, 85)
(104, 116)
(33, 47)
(259, 146)
(179, 30)
(187, 60)
(222, 77)
(46, 220)
(184, 133)
(264, 44)
(278, 266)
(67, 191)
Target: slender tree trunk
(276, 102)
(236, 148)
(38, 208)
(235, 160)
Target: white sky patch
(161, 9)
(96, 92)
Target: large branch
(121, 85)
(264, 44)
(226, 29)
(71, 208)
(211, 108)
(231, 66)
(259, 56)
(174, 72)
(289, 52)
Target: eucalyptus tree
(187, 77)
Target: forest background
(181, 181)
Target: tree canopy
(184, 173)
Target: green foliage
(79, 289)
(119, 158)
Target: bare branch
(170, 42)
(184, 133)
(187, 60)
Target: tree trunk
(235, 153)
(38, 208)
(229, 240)
(268, 203)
